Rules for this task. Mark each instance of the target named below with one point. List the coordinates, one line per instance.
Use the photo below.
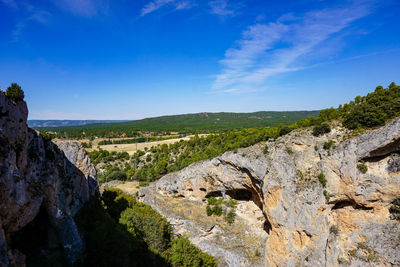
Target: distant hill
(62, 123)
(186, 123)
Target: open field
(132, 148)
(129, 187)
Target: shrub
(395, 209)
(322, 179)
(143, 184)
(283, 130)
(327, 196)
(322, 129)
(362, 167)
(116, 175)
(86, 145)
(289, 150)
(15, 92)
(144, 222)
(184, 254)
(116, 202)
(217, 210)
(230, 216)
(265, 150)
(328, 145)
(232, 203)
(209, 210)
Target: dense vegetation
(373, 109)
(160, 160)
(120, 231)
(138, 140)
(185, 124)
(151, 164)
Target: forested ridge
(183, 124)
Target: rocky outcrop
(39, 177)
(308, 201)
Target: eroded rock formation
(300, 204)
(39, 177)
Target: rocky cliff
(39, 180)
(302, 200)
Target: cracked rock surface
(287, 214)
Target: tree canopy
(15, 92)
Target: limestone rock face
(35, 175)
(301, 204)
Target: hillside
(63, 123)
(186, 123)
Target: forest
(182, 124)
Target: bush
(86, 145)
(395, 209)
(217, 210)
(15, 92)
(265, 150)
(184, 254)
(144, 222)
(230, 216)
(328, 145)
(209, 210)
(116, 175)
(362, 168)
(322, 179)
(211, 201)
(327, 196)
(322, 129)
(116, 202)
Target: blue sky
(121, 59)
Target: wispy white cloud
(85, 8)
(221, 7)
(158, 4)
(283, 46)
(35, 15)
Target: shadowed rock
(36, 174)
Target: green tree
(15, 92)
(184, 254)
(144, 222)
